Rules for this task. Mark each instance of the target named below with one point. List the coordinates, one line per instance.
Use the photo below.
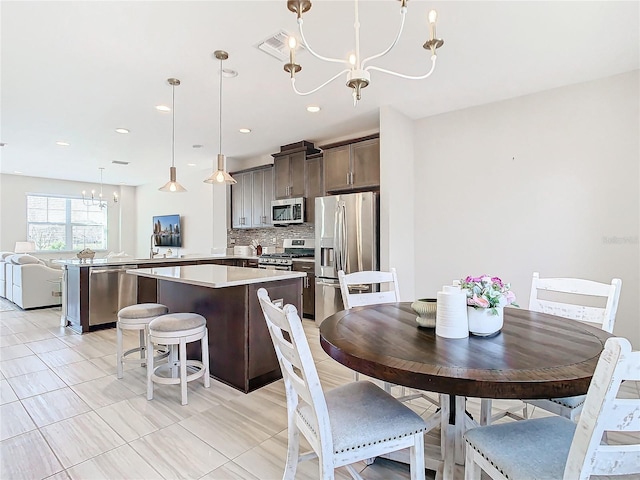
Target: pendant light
(220, 175)
(172, 185)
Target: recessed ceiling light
(245, 130)
(313, 108)
(191, 164)
(163, 108)
(122, 130)
(63, 144)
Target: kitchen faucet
(151, 252)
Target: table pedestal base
(444, 451)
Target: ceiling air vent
(119, 162)
(277, 45)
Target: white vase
(483, 322)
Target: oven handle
(275, 267)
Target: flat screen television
(167, 231)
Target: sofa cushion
(25, 259)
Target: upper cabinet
(289, 175)
(352, 166)
(241, 200)
(314, 184)
(262, 195)
(251, 198)
(289, 169)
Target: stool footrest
(127, 359)
(176, 380)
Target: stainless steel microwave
(287, 211)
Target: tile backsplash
(266, 236)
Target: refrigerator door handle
(337, 239)
(344, 248)
(328, 284)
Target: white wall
(547, 182)
(13, 209)
(397, 190)
(203, 211)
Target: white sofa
(3, 275)
(34, 284)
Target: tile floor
(64, 415)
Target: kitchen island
(93, 291)
(240, 350)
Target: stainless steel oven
(275, 267)
(293, 248)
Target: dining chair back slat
(603, 317)
(356, 288)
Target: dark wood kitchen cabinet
(262, 194)
(289, 175)
(241, 197)
(308, 287)
(353, 165)
(251, 198)
(289, 169)
(314, 186)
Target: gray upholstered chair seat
(177, 322)
(352, 423)
(142, 311)
(529, 449)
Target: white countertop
(216, 276)
(139, 261)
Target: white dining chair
(350, 423)
(567, 298)
(358, 288)
(364, 288)
(555, 447)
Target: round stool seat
(141, 313)
(177, 324)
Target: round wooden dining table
(535, 355)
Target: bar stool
(137, 317)
(176, 330)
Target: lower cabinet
(308, 287)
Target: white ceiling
(75, 71)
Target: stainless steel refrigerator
(347, 238)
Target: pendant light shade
(220, 175)
(172, 185)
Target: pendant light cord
(220, 130)
(173, 125)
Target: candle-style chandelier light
(98, 201)
(358, 76)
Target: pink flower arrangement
(488, 292)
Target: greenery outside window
(65, 223)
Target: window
(64, 223)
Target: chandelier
(98, 201)
(357, 70)
(220, 175)
(172, 185)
